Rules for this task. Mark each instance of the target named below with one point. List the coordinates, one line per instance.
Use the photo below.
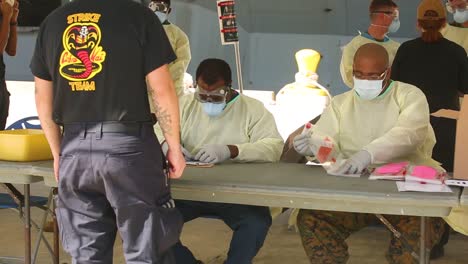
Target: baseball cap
(431, 10)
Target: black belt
(106, 127)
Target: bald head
(370, 60)
(372, 52)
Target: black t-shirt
(97, 54)
(439, 69)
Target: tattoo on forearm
(164, 119)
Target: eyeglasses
(217, 97)
(394, 14)
(158, 7)
(373, 77)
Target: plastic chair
(25, 124)
(6, 202)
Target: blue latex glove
(213, 154)
(356, 164)
(307, 144)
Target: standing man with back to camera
(91, 65)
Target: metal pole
(239, 67)
(398, 235)
(27, 224)
(41, 227)
(422, 242)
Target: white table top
(290, 185)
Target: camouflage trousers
(324, 235)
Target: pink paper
(392, 168)
(424, 172)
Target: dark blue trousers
(111, 179)
(249, 223)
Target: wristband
(13, 23)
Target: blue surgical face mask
(394, 26)
(162, 16)
(461, 15)
(213, 110)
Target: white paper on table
(199, 164)
(343, 174)
(331, 168)
(311, 163)
(387, 177)
(410, 178)
(419, 187)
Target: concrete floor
(209, 241)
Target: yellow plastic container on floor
(24, 145)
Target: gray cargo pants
(111, 178)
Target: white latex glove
(213, 154)
(308, 144)
(356, 163)
(188, 156)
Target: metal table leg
(41, 228)
(422, 242)
(27, 224)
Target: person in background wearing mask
(439, 68)
(380, 121)
(460, 12)
(384, 18)
(218, 125)
(8, 39)
(179, 42)
(458, 32)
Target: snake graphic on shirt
(82, 56)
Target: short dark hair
(375, 5)
(213, 70)
(168, 2)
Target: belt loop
(83, 131)
(142, 130)
(99, 131)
